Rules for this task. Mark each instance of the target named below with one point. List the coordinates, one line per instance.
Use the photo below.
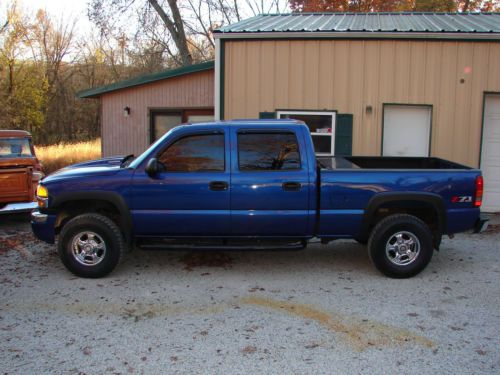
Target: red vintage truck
(20, 171)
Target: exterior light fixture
(126, 111)
(369, 109)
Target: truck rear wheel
(400, 246)
(91, 245)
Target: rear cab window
(268, 151)
(15, 147)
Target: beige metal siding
(349, 75)
(126, 135)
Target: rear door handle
(291, 186)
(218, 185)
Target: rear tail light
(479, 191)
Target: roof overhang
(359, 35)
(96, 92)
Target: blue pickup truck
(254, 184)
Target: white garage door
(407, 130)
(490, 154)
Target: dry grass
(54, 157)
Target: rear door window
(268, 151)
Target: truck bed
(348, 184)
(387, 162)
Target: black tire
(412, 232)
(98, 232)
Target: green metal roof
(146, 78)
(457, 23)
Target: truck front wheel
(91, 245)
(400, 246)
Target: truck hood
(109, 162)
(102, 167)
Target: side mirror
(152, 167)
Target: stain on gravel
(359, 333)
(206, 259)
(17, 241)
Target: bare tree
(175, 26)
(104, 12)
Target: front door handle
(291, 186)
(218, 185)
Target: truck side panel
(345, 196)
(260, 204)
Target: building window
(162, 120)
(268, 152)
(194, 153)
(321, 125)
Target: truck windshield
(15, 147)
(138, 160)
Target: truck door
(270, 184)
(190, 195)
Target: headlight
(42, 192)
(42, 196)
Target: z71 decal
(461, 199)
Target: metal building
(409, 84)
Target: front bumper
(18, 207)
(43, 226)
(481, 224)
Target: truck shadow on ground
(342, 256)
(338, 256)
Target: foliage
(23, 86)
(43, 65)
(21, 104)
(60, 155)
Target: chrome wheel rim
(88, 248)
(402, 248)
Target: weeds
(57, 156)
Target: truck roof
(14, 134)
(272, 122)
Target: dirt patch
(359, 333)
(249, 349)
(206, 259)
(17, 241)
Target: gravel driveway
(321, 310)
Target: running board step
(220, 245)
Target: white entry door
(407, 130)
(490, 154)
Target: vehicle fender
(381, 199)
(108, 196)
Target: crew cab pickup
(254, 184)
(20, 172)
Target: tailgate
(15, 185)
